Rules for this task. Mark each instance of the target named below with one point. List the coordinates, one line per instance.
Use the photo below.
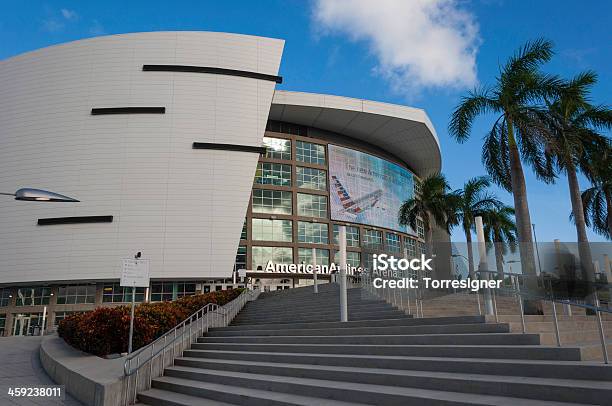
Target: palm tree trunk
(468, 238)
(523, 222)
(609, 210)
(584, 250)
(499, 259)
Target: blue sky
(406, 52)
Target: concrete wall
(183, 208)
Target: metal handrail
(418, 299)
(179, 337)
(134, 354)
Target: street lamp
(39, 195)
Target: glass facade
(313, 233)
(272, 230)
(34, 296)
(352, 235)
(310, 153)
(166, 291)
(312, 205)
(303, 205)
(241, 258)
(393, 242)
(352, 258)
(278, 255)
(311, 178)
(273, 174)
(5, 297)
(305, 256)
(277, 148)
(372, 239)
(113, 293)
(271, 201)
(74, 294)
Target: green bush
(106, 330)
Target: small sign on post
(135, 274)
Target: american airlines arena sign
(303, 268)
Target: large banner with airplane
(366, 189)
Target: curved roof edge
(402, 131)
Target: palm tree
(569, 127)
(519, 87)
(433, 205)
(473, 200)
(597, 200)
(500, 230)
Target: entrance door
(21, 325)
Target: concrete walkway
(20, 367)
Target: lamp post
(39, 195)
(343, 298)
(482, 266)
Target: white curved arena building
(177, 145)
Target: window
(243, 234)
(312, 205)
(113, 293)
(372, 239)
(73, 294)
(2, 324)
(368, 262)
(393, 242)
(420, 228)
(166, 291)
(311, 178)
(417, 187)
(272, 230)
(314, 233)
(422, 248)
(278, 255)
(277, 148)
(241, 258)
(33, 296)
(411, 249)
(310, 153)
(305, 256)
(271, 201)
(352, 258)
(273, 174)
(5, 297)
(287, 128)
(59, 316)
(352, 235)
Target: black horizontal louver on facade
(74, 220)
(127, 110)
(212, 70)
(229, 147)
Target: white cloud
(96, 28)
(418, 43)
(69, 15)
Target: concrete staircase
(287, 348)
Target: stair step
(535, 352)
(521, 387)
(335, 390)
(415, 339)
(404, 321)
(232, 394)
(534, 368)
(386, 330)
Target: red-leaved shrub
(106, 330)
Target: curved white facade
(181, 207)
